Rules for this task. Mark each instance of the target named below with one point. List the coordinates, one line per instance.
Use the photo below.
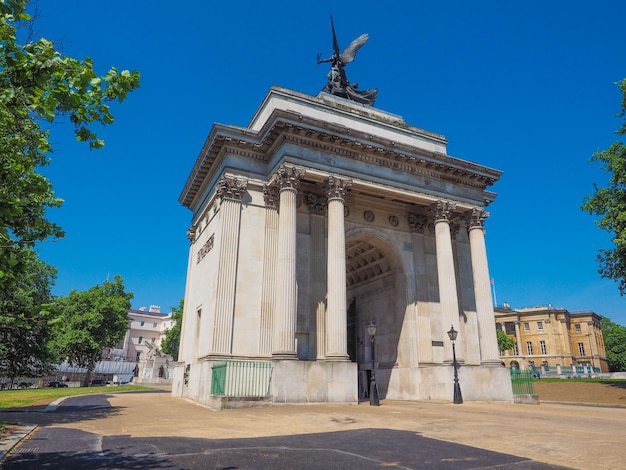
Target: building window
(577, 327)
(511, 327)
(542, 345)
(581, 349)
(540, 325)
(154, 325)
(529, 347)
(526, 326)
(142, 323)
(515, 350)
(498, 327)
(140, 340)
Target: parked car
(56, 384)
(97, 383)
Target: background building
(553, 341)
(146, 330)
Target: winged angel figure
(338, 83)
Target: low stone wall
(314, 382)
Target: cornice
(288, 127)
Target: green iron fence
(241, 378)
(522, 381)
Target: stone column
(448, 296)
(518, 338)
(230, 191)
(317, 208)
(336, 311)
(285, 311)
(482, 288)
(270, 194)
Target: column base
(285, 355)
(491, 363)
(337, 358)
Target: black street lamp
(458, 398)
(374, 400)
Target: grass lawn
(10, 399)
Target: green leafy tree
(504, 342)
(615, 344)
(610, 204)
(37, 85)
(26, 324)
(90, 321)
(171, 343)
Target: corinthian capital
(288, 177)
(476, 217)
(270, 195)
(417, 222)
(231, 188)
(191, 233)
(336, 188)
(317, 204)
(442, 210)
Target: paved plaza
(154, 430)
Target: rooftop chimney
(155, 309)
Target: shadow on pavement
(363, 449)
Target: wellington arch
(320, 216)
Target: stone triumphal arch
(320, 216)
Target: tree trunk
(90, 368)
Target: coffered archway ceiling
(364, 263)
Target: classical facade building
(323, 215)
(146, 331)
(552, 341)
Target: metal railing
(241, 378)
(522, 381)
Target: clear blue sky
(524, 87)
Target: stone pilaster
(482, 288)
(317, 208)
(336, 314)
(270, 194)
(285, 312)
(418, 224)
(446, 275)
(230, 191)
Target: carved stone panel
(208, 246)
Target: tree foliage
(26, 326)
(171, 343)
(610, 204)
(504, 342)
(615, 344)
(90, 321)
(37, 85)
